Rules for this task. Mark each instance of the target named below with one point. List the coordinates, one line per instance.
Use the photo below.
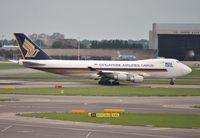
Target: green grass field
(177, 81)
(129, 119)
(106, 91)
(194, 74)
(10, 66)
(31, 75)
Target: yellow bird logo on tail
(31, 50)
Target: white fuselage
(150, 68)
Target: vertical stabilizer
(28, 49)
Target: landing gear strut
(172, 81)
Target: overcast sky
(94, 19)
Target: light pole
(78, 48)
(2, 40)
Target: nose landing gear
(172, 81)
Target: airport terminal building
(179, 41)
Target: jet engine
(138, 79)
(127, 77)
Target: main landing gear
(172, 81)
(108, 82)
(115, 83)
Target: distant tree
(0, 43)
(57, 44)
(117, 44)
(6, 54)
(7, 42)
(94, 44)
(85, 43)
(13, 42)
(40, 43)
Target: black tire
(104, 82)
(115, 83)
(107, 83)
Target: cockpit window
(168, 64)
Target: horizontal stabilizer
(14, 61)
(31, 63)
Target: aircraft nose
(187, 70)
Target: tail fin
(28, 49)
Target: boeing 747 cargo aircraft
(107, 72)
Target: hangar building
(179, 41)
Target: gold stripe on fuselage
(86, 70)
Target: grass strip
(31, 75)
(194, 74)
(10, 66)
(128, 119)
(177, 81)
(8, 99)
(106, 91)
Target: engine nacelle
(138, 79)
(127, 77)
(120, 77)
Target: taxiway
(23, 127)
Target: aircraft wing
(116, 75)
(106, 72)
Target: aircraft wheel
(172, 82)
(104, 82)
(115, 83)
(107, 83)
